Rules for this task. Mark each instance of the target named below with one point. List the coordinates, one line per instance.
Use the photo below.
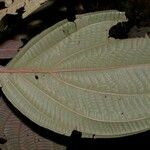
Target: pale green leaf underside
(86, 81)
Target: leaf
(10, 48)
(18, 135)
(12, 6)
(73, 77)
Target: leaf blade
(84, 81)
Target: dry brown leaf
(9, 48)
(19, 136)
